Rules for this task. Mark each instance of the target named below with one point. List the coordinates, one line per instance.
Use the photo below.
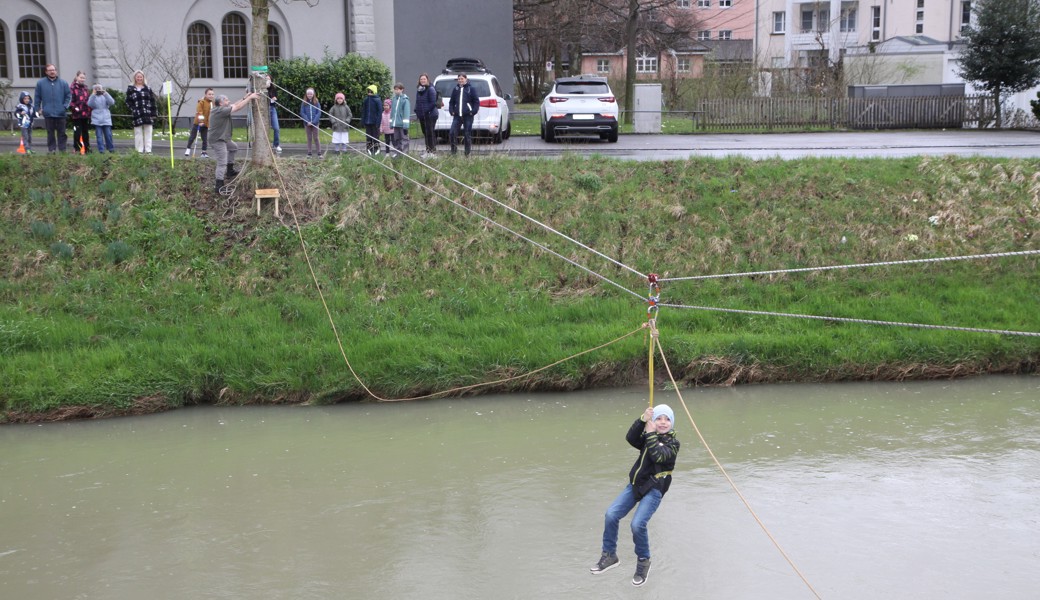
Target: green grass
(126, 286)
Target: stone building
(107, 39)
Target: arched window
(233, 36)
(200, 51)
(32, 49)
(3, 53)
(274, 44)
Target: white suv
(493, 117)
(583, 105)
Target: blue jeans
(622, 505)
(104, 138)
(466, 124)
(274, 126)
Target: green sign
(258, 68)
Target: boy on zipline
(653, 434)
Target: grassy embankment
(127, 287)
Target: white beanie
(664, 409)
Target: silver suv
(493, 117)
(583, 105)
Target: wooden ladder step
(267, 193)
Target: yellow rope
(722, 469)
(652, 323)
(653, 341)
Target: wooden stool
(267, 193)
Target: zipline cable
(486, 218)
(507, 207)
(339, 340)
(852, 320)
(857, 266)
(655, 340)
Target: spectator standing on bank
(53, 97)
(272, 101)
(340, 116)
(385, 127)
(200, 127)
(24, 115)
(80, 113)
(224, 148)
(426, 110)
(400, 119)
(371, 117)
(141, 102)
(463, 106)
(101, 103)
(310, 112)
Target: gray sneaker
(642, 571)
(606, 562)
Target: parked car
(493, 117)
(583, 105)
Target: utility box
(647, 117)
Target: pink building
(723, 32)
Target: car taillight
(607, 99)
(555, 99)
(489, 103)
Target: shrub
(117, 252)
(42, 230)
(349, 74)
(61, 250)
(1036, 106)
(41, 196)
(590, 182)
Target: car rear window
(582, 87)
(446, 86)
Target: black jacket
(653, 468)
(464, 101)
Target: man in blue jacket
(463, 106)
(53, 97)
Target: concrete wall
(427, 34)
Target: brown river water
(922, 490)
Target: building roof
(728, 50)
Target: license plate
(584, 117)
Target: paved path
(889, 144)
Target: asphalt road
(889, 144)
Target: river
(920, 490)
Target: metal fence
(845, 113)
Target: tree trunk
(258, 110)
(631, 41)
(996, 106)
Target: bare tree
(547, 31)
(651, 25)
(162, 61)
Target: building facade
(722, 31)
(108, 39)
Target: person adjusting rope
(220, 130)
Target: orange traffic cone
(82, 148)
(21, 147)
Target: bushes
(349, 74)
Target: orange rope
(722, 469)
(339, 340)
